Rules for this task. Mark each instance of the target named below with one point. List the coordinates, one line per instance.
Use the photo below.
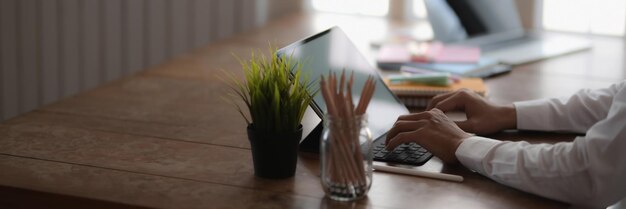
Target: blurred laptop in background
(495, 27)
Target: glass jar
(346, 157)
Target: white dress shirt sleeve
(590, 171)
(576, 113)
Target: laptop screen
(332, 51)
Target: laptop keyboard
(409, 154)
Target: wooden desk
(164, 138)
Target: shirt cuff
(473, 150)
(532, 114)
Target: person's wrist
(457, 145)
(507, 116)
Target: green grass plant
(275, 92)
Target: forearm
(588, 171)
(558, 172)
(576, 113)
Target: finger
(454, 102)
(458, 101)
(437, 111)
(460, 96)
(416, 116)
(436, 99)
(401, 138)
(404, 126)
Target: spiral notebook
(416, 95)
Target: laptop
(495, 27)
(332, 51)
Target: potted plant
(276, 95)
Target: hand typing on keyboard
(431, 129)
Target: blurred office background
(51, 49)
(600, 17)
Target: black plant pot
(275, 155)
